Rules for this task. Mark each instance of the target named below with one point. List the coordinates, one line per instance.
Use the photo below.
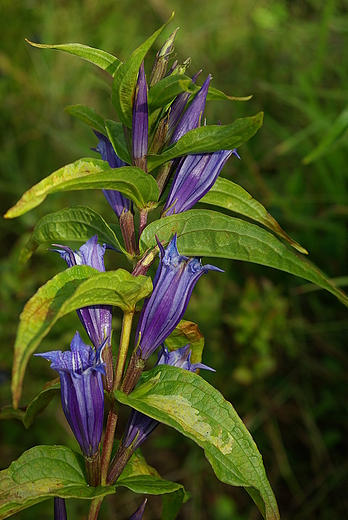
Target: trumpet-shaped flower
(178, 106)
(140, 123)
(173, 284)
(194, 177)
(96, 319)
(138, 514)
(117, 201)
(192, 116)
(80, 371)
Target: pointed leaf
(102, 59)
(210, 138)
(116, 136)
(189, 404)
(76, 287)
(88, 115)
(167, 89)
(215, 94)
(73, 224)
(208, 233)
(44, 472)
(187, 332)
(228, 195)
(40, 402)
(8, 412)
(142, 478)
(90, 174)
(126, 77)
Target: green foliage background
(278, 346)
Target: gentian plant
(160, 156)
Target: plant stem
(124, 344)
(94, 508)
(114, 407)
(92, 465)
(108, 440)
(142, 223)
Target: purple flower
(140, 123)
(178, 106)
(193, 115)
(139, 425)
(117, 201)
(80, 371)
(138, 514)
(59, 509)
(96, 319)
(194, 177)
(173, 284)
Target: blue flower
(117, 201)
(59, 509)
(138, 514)
(80, 371)
(96, 319)
(173, 284)
(140, 122)
(194, 177)
(178, 106)
(191, 118)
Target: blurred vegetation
(278, 346)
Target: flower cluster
(80, 371)
(85, 371)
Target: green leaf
(116, 136)
(208, 233)
(44, 472)
(40, 402)
(74, 224)
(76, 287)
(210, 138)
(187, 332)
(228, 195)
(142, 478)
(102, 59)
(88, 115)
(189, 404)
(125, 79)
(9, 412)
(335, 131)
(90, 174)
(171, 504)
(167, 89)
(214, 95)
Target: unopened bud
(160, 65)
